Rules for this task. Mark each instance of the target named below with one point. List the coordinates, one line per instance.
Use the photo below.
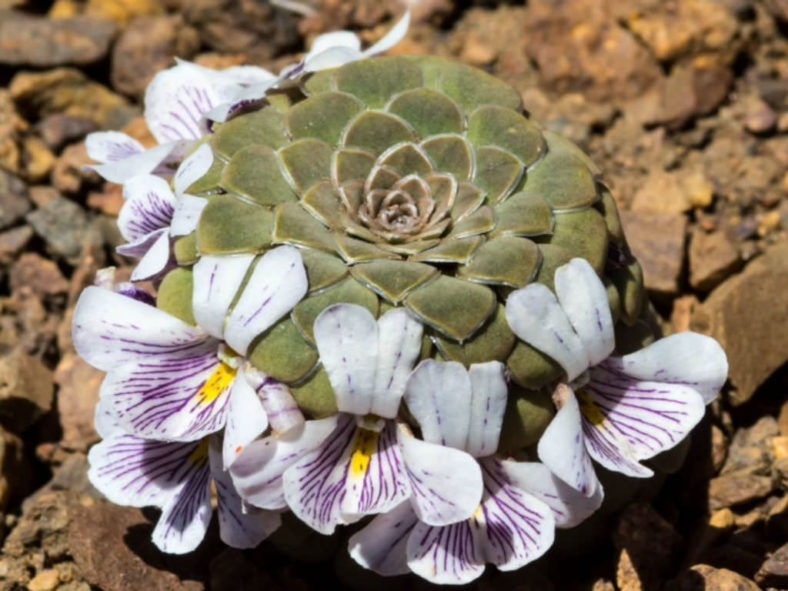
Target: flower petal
(192, 169)
(569, 507)
(448, 555)
(562, 446)
(518, 527)
(355, 472)
(186, 514)
(216, 283)
(334, 39)
(390, 39)
(104, 420)
(275, 286)
(535, 316)
(686, 358)
(246, 419)
(331, 57)
(446, 483)
(399, 345)
(488, 403)
(627, 420)
(438, 395)
(381, 545)
(257, 471)
(238, 528)
(175, 102)
(121, 171)
(279, 404)
(138, 472)
(180, 397)
(186, 216)
(584, 300)
(148, 206)
(155, 260)
(111, 329)
(111, 146)
(346, 336)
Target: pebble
(703, 577)
(46, 580)
(13, 241)
(26, 390)
(735, 488)
(760, 118)
(64, 226)
(40, 275)
(657, 241)
(59, 129)
(78, 393)
(774, 572)
(27, 40)
(37, 159)
(752, 303)
(14, 202)
(712, 259)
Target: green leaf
(255, 172)
(283, 353)
(323, 116)
(429, 112)
(375, 81)
(264, 127)
(492, 125)
(174, 295)
(229, 225)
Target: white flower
(614, 410)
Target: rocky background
(683, 103)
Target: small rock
(46, 580)
(657, 241)
(69, 174)
(11, 125)
(14, 202)
(774, 572)
(782, 419)
(58, 130)
(35, 41)
(749, 449)
(41, 275)
(26, 390)
(78, 392)
(15, 473)
(37, 159)
(627, 575)
(779, 447)
(41, 195)
(778, 8)
(722, 519)
(13, 241)
(603, 585)
(748, 314)
(121, 11)
(734, 488)
(681, 315)
(147, 46)
(689, 92)
(760, 118)
(712, 259)
(703, 577)
(70, 92)
(109, 200)
(719, 448)
(476, 52)
(661, 192)
(64, 226)
(698, 189)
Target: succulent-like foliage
(415, 182)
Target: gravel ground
(682, 103)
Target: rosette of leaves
(415, 182)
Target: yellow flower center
(589, 409)
(219, 380)
(364, 444)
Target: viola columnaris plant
(383, 295)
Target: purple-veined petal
(446, 483)
(138, 472)
(180, 397)
(192, 169)
(390, 39)
(626, 420)
(355, 472)
(518, 527)
(185, 515)
(686, 358)
(534, 315)
(241, 98)
(111, 146)
(238, 528)
(347, 340)
(246, 419)
(155, 260)
(399, 345)
(562, 446)
(280, 406)
(447, 555)
(276, 285)
(257, 471)
(175, 102)
(488, 403)
(186, 216)
(216, 282)
(569, 506)
(148, 207)
(104, 420)
(584, 300)
(381, 545)
(121, 171)
(111, 330)
(438, 395)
